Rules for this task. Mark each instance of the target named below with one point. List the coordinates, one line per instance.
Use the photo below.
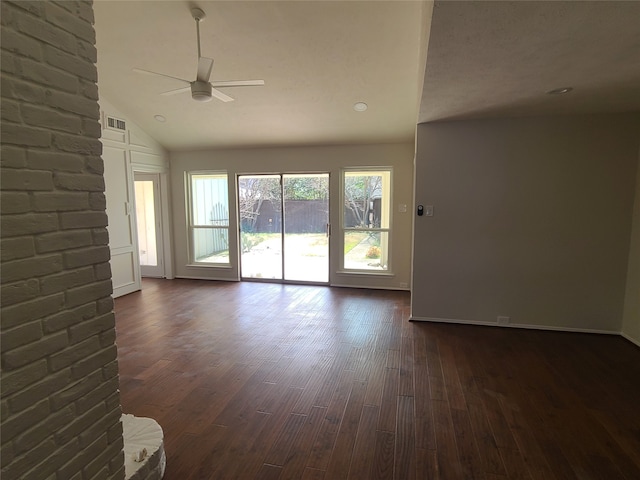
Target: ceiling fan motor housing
(201, 91)
(201, 88)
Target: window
(208, 217)
(366, 199)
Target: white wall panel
(124, 273)
(126, 151)
(116, 179)
(143, 159)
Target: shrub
(373, 252)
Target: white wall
(631, 318)
(532, 220)
(123, 153)
(295, 160)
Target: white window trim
(342, 270)
(190, 225)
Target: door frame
(156, 271)
(163, 216)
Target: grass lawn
(351, 239)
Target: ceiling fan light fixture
(360, 106)
(560, 91)
(201, 91)
(199, 97)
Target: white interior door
(149, 224)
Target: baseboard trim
(631, 339)
(369, 287)
(512, 325)
(338, 285)
(191, 277)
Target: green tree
(306, 188)
(252, 192)
(359, 192)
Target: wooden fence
(302, 216)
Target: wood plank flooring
(269, 381)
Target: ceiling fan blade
(238, 83)
(148, 72)
(221, 96)
(177, 90)
(205, 65)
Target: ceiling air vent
(116, 124)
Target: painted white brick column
(59, 396)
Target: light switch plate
(402, 208)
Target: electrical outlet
(504, 320)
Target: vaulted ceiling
(500, 58)
(409, 61)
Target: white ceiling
(320, 57)
(317, 59)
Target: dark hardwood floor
(268, 381)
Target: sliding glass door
(284, 227)
(306, 227)
(260, 205)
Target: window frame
(388, 230)
(190, 216)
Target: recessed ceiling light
(559, 91)
(160, 118)
(360, 106)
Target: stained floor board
(269, 381)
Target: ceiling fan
(202, 89)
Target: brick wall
(60, 404)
